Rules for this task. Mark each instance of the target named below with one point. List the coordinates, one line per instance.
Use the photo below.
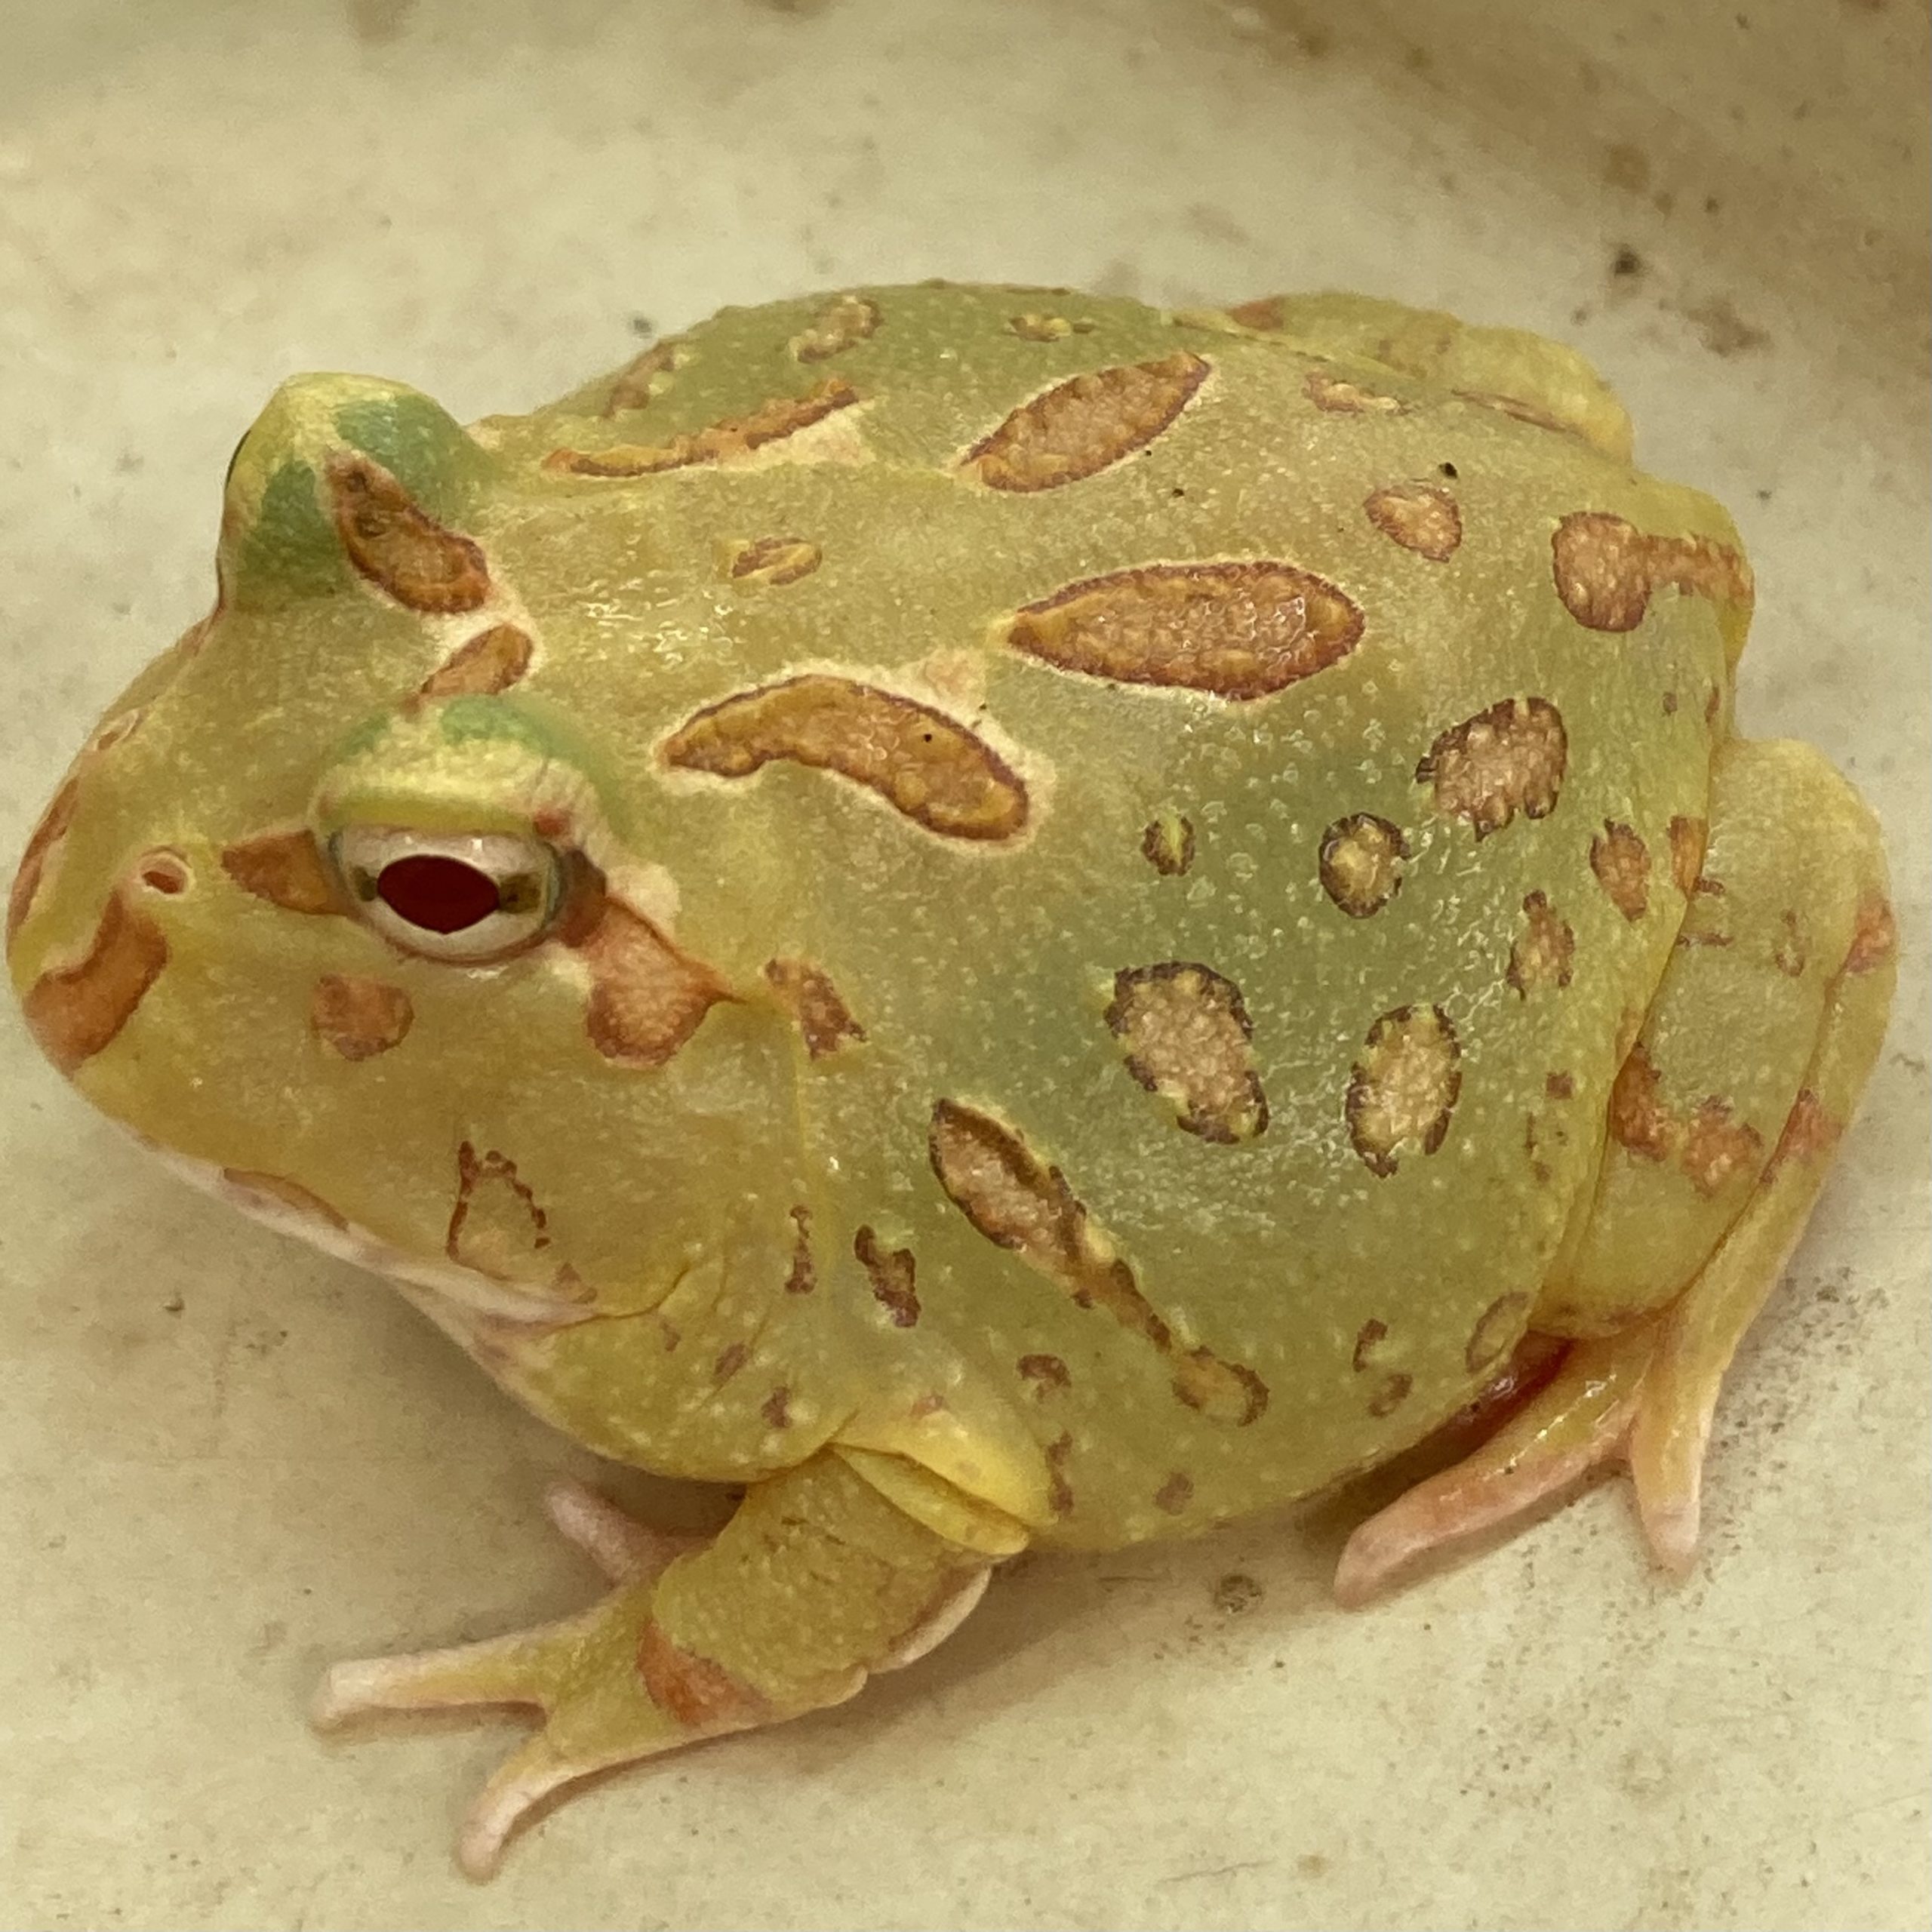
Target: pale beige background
(227, 1460)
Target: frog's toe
(624, 1550)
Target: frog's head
(332, 909)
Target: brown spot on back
(1876, 935)
(1404, 1087)
(1340, 397)
(922, 763)
(41, 845)
(1362, 862)
(892, 1272)
(813, 1002)
(276, 1191)
(1715, 1147)
(776, 1408)
(1368, 1338)
(1059, 1491)
(287, 869)
(717, 442)
(358, 1017)
(1421, 517)
(1545, 951)
(1175, 1494)
(1496, 1330)
(850, 319)
(491, 661)
(1688, 838)
(1508, 759)
(771, 561)
(1606, 569)
(1788, 955)
(1048, 1373)
(646, 998)
(1188, 1038)
(1391, 1392)
(400, 549)
(647, 375)
(1638, 1119)
(803, 1276)
(1237, 630)
(731, 1359)
(1708, 1146)
(1559, 1086)
(693, 1691)
(1168, 845)
(74, 1011)
(1621, 863)
(1081, 426)
(1020, 1203)
(1809, 1132)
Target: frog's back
(1230, 804)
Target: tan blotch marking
(1369, 1337)
(1809, 1133)
(74, 1011)
(1421, 517)
(1059, 1491)
(1875, 937)
(1508, 759)
(1021, 1204)
(851, 318)
(717, 442)
(939, 774)
(776, 1408)
(1048, 1373)
(813, 1002)
(1032, 327)
(893, 1274)
(1621, 863)
(1078, 427)
(1559, 1086)
(287, 869)
(692, 1690)
(1340, 397)
(647, 375)
(497, 1227)
(1403, 1089)
(43, 843)
(802, 1277)
(1237, 631)
(1708, 1144)
(1545, 953)
(1606, 569)
(731, 1359)
(1496, 1329)
(275, 1190)
(646, 998)
(491, 661)
(771, 561)
(1788, 955)
(1688, 838)
(1391, 1392)
(1188, 1038)
(164, 870)
(401, 549)
(1361, 861)
(1168, 845)
(1175, 1494)
(359, 1018)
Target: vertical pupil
(440, 895)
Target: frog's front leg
(816, 1582)
(1719, 1128)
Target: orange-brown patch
(1874, 937)
(1810, 1132)
(488, 663)
(1020, 1203)
(893, 1274)
(1048, 1373)
(809, 995)
(1340, 397)
(1606, 569)
(837, 327)
(731, 1359)
(275, 1190)
(1403, 1090)
(42, 843)
(802, 1277)
(1238, 630)
(1545, 953)
(1638, 1119)
(1688, 839)
(1496, 1329)
(1708, 1144)
(1082, 425)
(692, 1690)
(1559, 1086)
(771, 561)
(401, 549)
(717, 442)
(1508, 759)
(1788, 955)
(359, 1017)
(1369, 1337)
(1187, 1037)
(1621, 863)
(1361, 860)
(646, 998)
(74, 1011)
(287, 869)
(921, 762)
(776, 1408)
(1421, 517)
(496, 1226)
(1059, 1491)
(647, 375)
(1715, 1147)
(1168, 845)
(1175, 1494)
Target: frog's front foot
(817, 1581)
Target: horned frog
(1009, 918)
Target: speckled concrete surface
(229, 1460)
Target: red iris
(440, 895)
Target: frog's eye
(466, 897)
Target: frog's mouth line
(463, 1290)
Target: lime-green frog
(1007, 917)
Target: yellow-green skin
(981, 970)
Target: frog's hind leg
(1747, 1069)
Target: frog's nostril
(164, 870)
